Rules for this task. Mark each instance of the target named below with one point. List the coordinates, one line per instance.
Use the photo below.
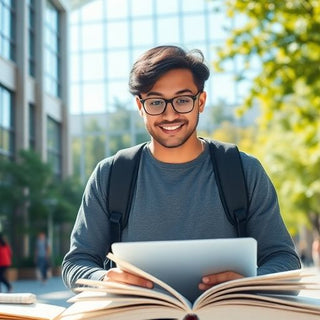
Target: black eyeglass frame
(193, 97)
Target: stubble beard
(181, 141)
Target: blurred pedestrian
(5, 262)
(316, 252)
(42, 256)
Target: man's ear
(202, 101)
(139, 105)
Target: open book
(258, 297)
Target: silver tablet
(182, 263)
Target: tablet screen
(182, 263)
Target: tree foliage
(284, 37)
(25, 184)
(30, 196)
(120, 129)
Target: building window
(52, 50)
(7, 30)
(6, 123)
(32, 127)
(54, 146)
(32, 31)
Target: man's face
(172, 129)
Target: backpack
(228, 170)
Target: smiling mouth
(171, 128)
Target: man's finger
(118, 275)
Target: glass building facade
(108, 35)
(7, 52)
(106, 38)
(7, 29)
(34, 109)
(6, 123)
(33, 88)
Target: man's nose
(171, 109)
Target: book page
(239, 310)
(37, 311)
(280, 302)
(98, 310)
(288, 281)
(119, 291)
(134, 270)
(257, 290)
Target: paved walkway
(52, 292)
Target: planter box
(30, 273)
(27, 273)
(56, 271)
(12, 274)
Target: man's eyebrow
(155, 93)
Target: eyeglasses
(180, 104)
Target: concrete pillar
(65, 84)
(22, 108)
(41, 133)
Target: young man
(176, 196)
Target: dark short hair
(159, 60)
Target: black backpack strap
(121, 186)
(231, 183)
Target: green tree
(121, 129)
(88, 149)
(219, 114)
(284, 37)
(25, 185)
(244, 137)
(126, 128)
(95, 145)
(31, 199)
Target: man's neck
(184, 153)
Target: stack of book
(272, 296)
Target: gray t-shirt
(177, 201)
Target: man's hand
(117, 275)
(214, 279)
